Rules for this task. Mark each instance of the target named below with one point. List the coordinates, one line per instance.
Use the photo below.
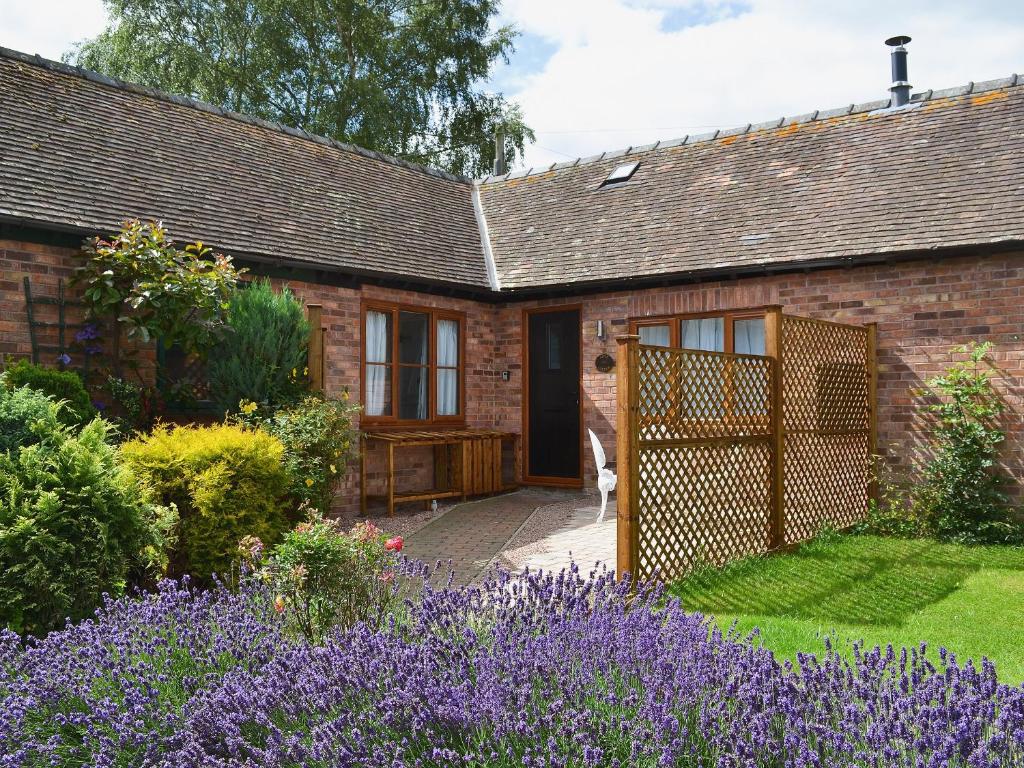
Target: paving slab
(471, 535)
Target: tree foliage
(397, 76)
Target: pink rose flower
(394, 544)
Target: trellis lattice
(703, 458)
(702, 504)
(826, 415)
(728, 455)
(696, 394)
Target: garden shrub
(962, 496)
(74, 524)
(532, 670)
(26, 416)
(262, 358)
(60, 385)
(319, 438)
(226, 482)
(960, 490)
(140, 280)
(324, 578)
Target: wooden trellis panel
(703, 458)
(723, 455)
(827, 424)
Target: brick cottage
(453, 302)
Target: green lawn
(969, 599)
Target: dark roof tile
(104, 151)
(830, 185)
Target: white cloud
(48, 27)
(616, 67)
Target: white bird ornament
(606, 479)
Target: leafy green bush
(326, 578)
(263, 356)
(74, 523)
(140, 280)
(26, 416)
(962, 497)
(319, 439)
(226, 482)
(60, 385)
(960, 494)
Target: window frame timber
(394, 310)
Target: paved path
(473, 533)
(573, 536)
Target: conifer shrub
(263, 356)
(60, 385)
(226, 481)
(74, 524)
(26, 416)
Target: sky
(596, 75)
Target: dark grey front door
(554, 396)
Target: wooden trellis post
(316, 347)
(626, 456)
(773, 349)
(872, 368)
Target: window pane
(447, 392)
(655, 335)
(412, 393)
(378, 390)
(553, 333)
(748, 336)
(706, 333)
(378, 337)
(412, 337)
(448, 343)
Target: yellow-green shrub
(227, 482)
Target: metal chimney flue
(900, 88)
(499, 153)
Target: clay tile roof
(83, 152)
(945, 171)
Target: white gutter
(485, 240)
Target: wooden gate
(725, 455)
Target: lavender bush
(536, 671)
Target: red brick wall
(923, 309)
(45, 266)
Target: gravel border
(542, 522)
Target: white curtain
(655, 335)
(748, 336)
(376, 399)
(707, 333)
(447, 372)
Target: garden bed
(968, 599)
(537, 671)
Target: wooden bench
(467, 462)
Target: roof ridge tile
(877, 106)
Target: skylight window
(621, 173)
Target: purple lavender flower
(535, 670)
